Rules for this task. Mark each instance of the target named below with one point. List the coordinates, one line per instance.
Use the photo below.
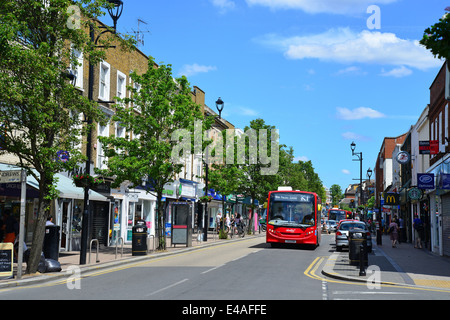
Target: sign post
(23, 196)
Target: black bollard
(362, 269)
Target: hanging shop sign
(391, 199)
(425, 180)
(415, 193)
(403, 157)
(444, 181)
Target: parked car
(342, 233)
(331, 226)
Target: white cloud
(354, 136)
(397, 72)
(351, 71)
(358, 113)
(223, 5)
(301, 158)
(248, 111)
(321, 6)
(345, 171)
(343, 45)
(193, 69)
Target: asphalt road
(247, 270)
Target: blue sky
(318, 70)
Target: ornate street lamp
(360, 159)
(219, 106)
(116, 11)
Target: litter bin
(139, 239)
(356, 239)
(51, 242)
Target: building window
(121, 85)
(77, 68)
(103, 131)
(104, 85)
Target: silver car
(342, 234)
(331, 226)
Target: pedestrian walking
(418, 230)
(393, 233)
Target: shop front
(66, 210)
(68, 214)
(438, 207)
(140, 206)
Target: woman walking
(393, 233)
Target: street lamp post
(369, 174)
(219, 106)
(360, 159)
(115, 12)
(205, 220)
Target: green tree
(336, 194)
(313, 182)
(259, 175)
(160, 116)
(39, 107)
(437, 37)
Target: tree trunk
(161, 223)
(38, 236)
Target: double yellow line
(314, 266)
(311, 270)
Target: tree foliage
(437, 37)
(39, 108)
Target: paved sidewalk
(109, 257)
(403, 265)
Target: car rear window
(351, 226)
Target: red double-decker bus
(293, 217)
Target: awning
(65, 186)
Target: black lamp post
(219, 106)
(205, 220)
(115, 12)
(369, 174)
(360, 159)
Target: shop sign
(429, 147)
(425, 180)
(133, 197)
(391, 199)
(415, 194)
(403, 157)
(445, 181)
(12, 176)
(187, 190)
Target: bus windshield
(336, 215)
(291, 209)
